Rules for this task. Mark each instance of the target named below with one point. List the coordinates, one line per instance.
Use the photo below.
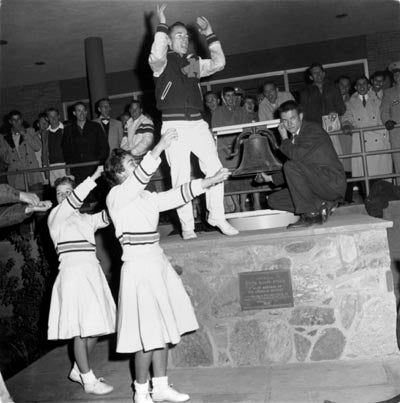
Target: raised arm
(74, 201)
(159, 49)
(128, 190)
(100, 220)
(217, 58)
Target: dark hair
(79, 103)
(14, 112)
(227, 89)
(65, 180)
(361, 77)
(175, 25)
(52, 109)
(135, 101)
(113, 165)
(342, 78)
(97, 104)
(289, 106)
(210, 93)
(316, 64)
(270, 83)
(378, 73)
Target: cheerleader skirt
(81, 303)
(153, 306)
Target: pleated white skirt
(81, 303)
(154, 308)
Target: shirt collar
(60, 126)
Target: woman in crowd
(154, 309)
(82, 306)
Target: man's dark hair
(42, 115)
(342, 78)
(270, 83)
(210, 93)
(361, 77)
(14, 112)
(316, 64)
(175, 25)
(135, 101)
(76, 104)
(378, 73)
(289, 106)
(52, 109)
(97, 104)
(113, 165)
(227, 89)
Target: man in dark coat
(314, 175)
(84, 141)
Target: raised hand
(29, 198)
(97, 173)
(204, 26)
(282, 131)
(160, 13)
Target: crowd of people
(154, 309)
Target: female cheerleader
(154, 309)
(82, 306)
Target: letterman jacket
(177, 78)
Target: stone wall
(344, 306)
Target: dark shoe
(307, 220)
(327, 209)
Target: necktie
(364, 101)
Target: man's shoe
(98, 387)
(187, 235)
(224, 227)
(75, 376)
(169, 394)
(307, 220)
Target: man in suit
(84, 141)
(111, 127)
(390, 113)
(314, 175)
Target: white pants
(194, 137)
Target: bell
(257, 155)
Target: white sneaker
(98, 387)
(187, 235)
(142, 398)
(224, 227)
(75, 376)
(170, 395)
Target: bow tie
(105, 121)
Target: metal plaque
(267, 289)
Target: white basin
(260, 219)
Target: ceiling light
(342, 15)
(40, 63)
(3, 42)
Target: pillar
(95, 70)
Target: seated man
(314, 175)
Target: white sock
(160, 383)
(141, 388)
(89, 377)
(76, 368)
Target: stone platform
(344, 305)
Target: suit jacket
(115, 132)
(89, 145)
(313, 146)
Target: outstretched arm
(185, 193)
